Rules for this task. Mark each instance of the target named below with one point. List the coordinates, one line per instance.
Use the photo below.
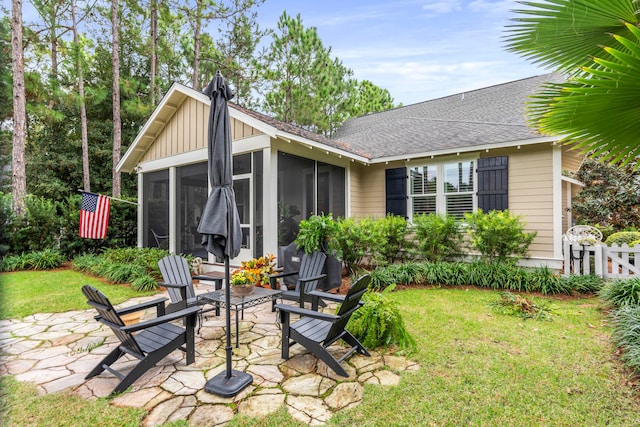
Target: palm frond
(567, 34)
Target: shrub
(144, 283)
(42, 260)
(498, 235)
(584, 284)
(634, 243)
(621, 292)
(391, 244)
(379, 323)
(626, 334)
(352, 241)
(438, 236)
(623, 237)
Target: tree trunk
(117, 128)
(154, 45)
(196, 45)
(83, 109)
(19, 177)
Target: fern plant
(378, 323)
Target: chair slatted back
(175, 269)
(110, 318)
(312, 265)
(350, 304)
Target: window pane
(423, 179)
(426, 204)
(459, 204)
(458, 177)
(155, 208)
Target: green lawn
(477, 368)
(27, 292)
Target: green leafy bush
(144, 283)
(316, 233)
(378, 323)
(391, 244)
(623, 237)
(584, 284)
(498, 235)
(42, 260)
(438, 236)
(352, 240)
(626, 334)
(621, 292)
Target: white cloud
(442, 6)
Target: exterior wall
(571, 159)
(367, 189)
(187, 131)
(531, 192)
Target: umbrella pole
(230, 382)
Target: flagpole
(110, 197)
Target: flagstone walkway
(56, 351)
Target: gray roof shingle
(491, 115)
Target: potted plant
(254, 272)
(317, 233)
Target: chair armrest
(172, 285)
(275, 276)
(327, 296)
(310, 279)
(141, 306)
(162, 319)
(306, 312)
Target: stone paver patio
(56, 351)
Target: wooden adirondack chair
(316, 330)
(149, 341)
(309, 276)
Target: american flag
(94, 216)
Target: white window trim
(440, 194)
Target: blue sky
(417, 49)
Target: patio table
(239, 303)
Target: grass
(20, 405)
(27, 292)
(478, 368)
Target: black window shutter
(493, 182)
(396, 191)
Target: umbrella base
(224, 386)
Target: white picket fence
(621, 262)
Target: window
(446, 187)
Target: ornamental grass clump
(378, 323)
(621, 292)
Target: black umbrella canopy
(220, 223)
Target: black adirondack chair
(309, 276)
(149, 341)
(316, 330)
(176, 277)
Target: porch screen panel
(155, 208)
(331, 190)
(192, 194)
(295, 194)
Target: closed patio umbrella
(220, 223)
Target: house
(453, 154)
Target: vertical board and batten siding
(187, 131)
